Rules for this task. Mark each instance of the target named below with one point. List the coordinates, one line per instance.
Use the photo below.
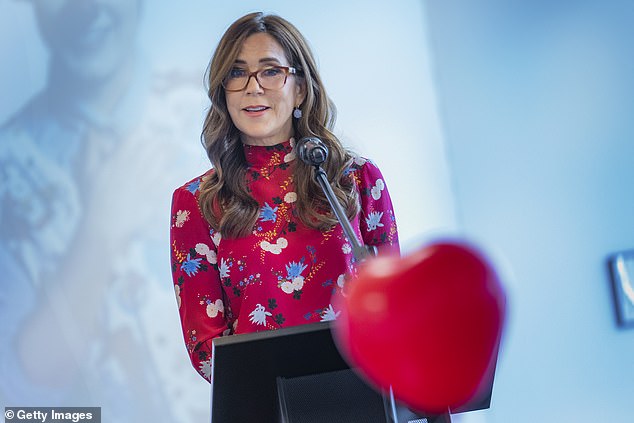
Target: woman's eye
(271, 72)
(237, 73)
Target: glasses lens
(272, 78)
(236, 80)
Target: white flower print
(216, 238)
(290, 197)
(341, 280)
(203, 249)
(329, 314)
(214, 308)
(223, 269)
(205, 369)
(291, 286)
(374, 220)
(360, 161)
(276, 248)
(177, 291)
(287, 287)
(298, 283)
(290, 156)
(258, 315)
(377, 188)
(182, 216)
(346, 248)
(294, 279)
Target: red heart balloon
(427, 325)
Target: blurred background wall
(505, 121)
(102, 107)
(535, 99)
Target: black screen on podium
(246, 369)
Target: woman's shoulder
(193, 186)
(362, 167)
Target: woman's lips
(255, 111)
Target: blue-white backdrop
(504, 121)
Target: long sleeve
(377, 220)
(196, 278)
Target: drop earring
(297, 113)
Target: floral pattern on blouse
(284, 273)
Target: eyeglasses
(269, 78)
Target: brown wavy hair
(224, 198)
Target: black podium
(297, 375)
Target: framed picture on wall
(622, 274)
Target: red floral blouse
(284, 273)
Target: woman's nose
(253, 85)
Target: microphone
(312, 151)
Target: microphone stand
(315, 158)
(359, 251)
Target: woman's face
(263, 116)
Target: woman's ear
(300, 91)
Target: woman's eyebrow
(269, 59)
(263, 60)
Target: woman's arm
(376, 219)
(199, 295)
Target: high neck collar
(269, 155)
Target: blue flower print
(295, 269)
(194, 186)
(374, 220)
(191, 266)
(267, 214)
